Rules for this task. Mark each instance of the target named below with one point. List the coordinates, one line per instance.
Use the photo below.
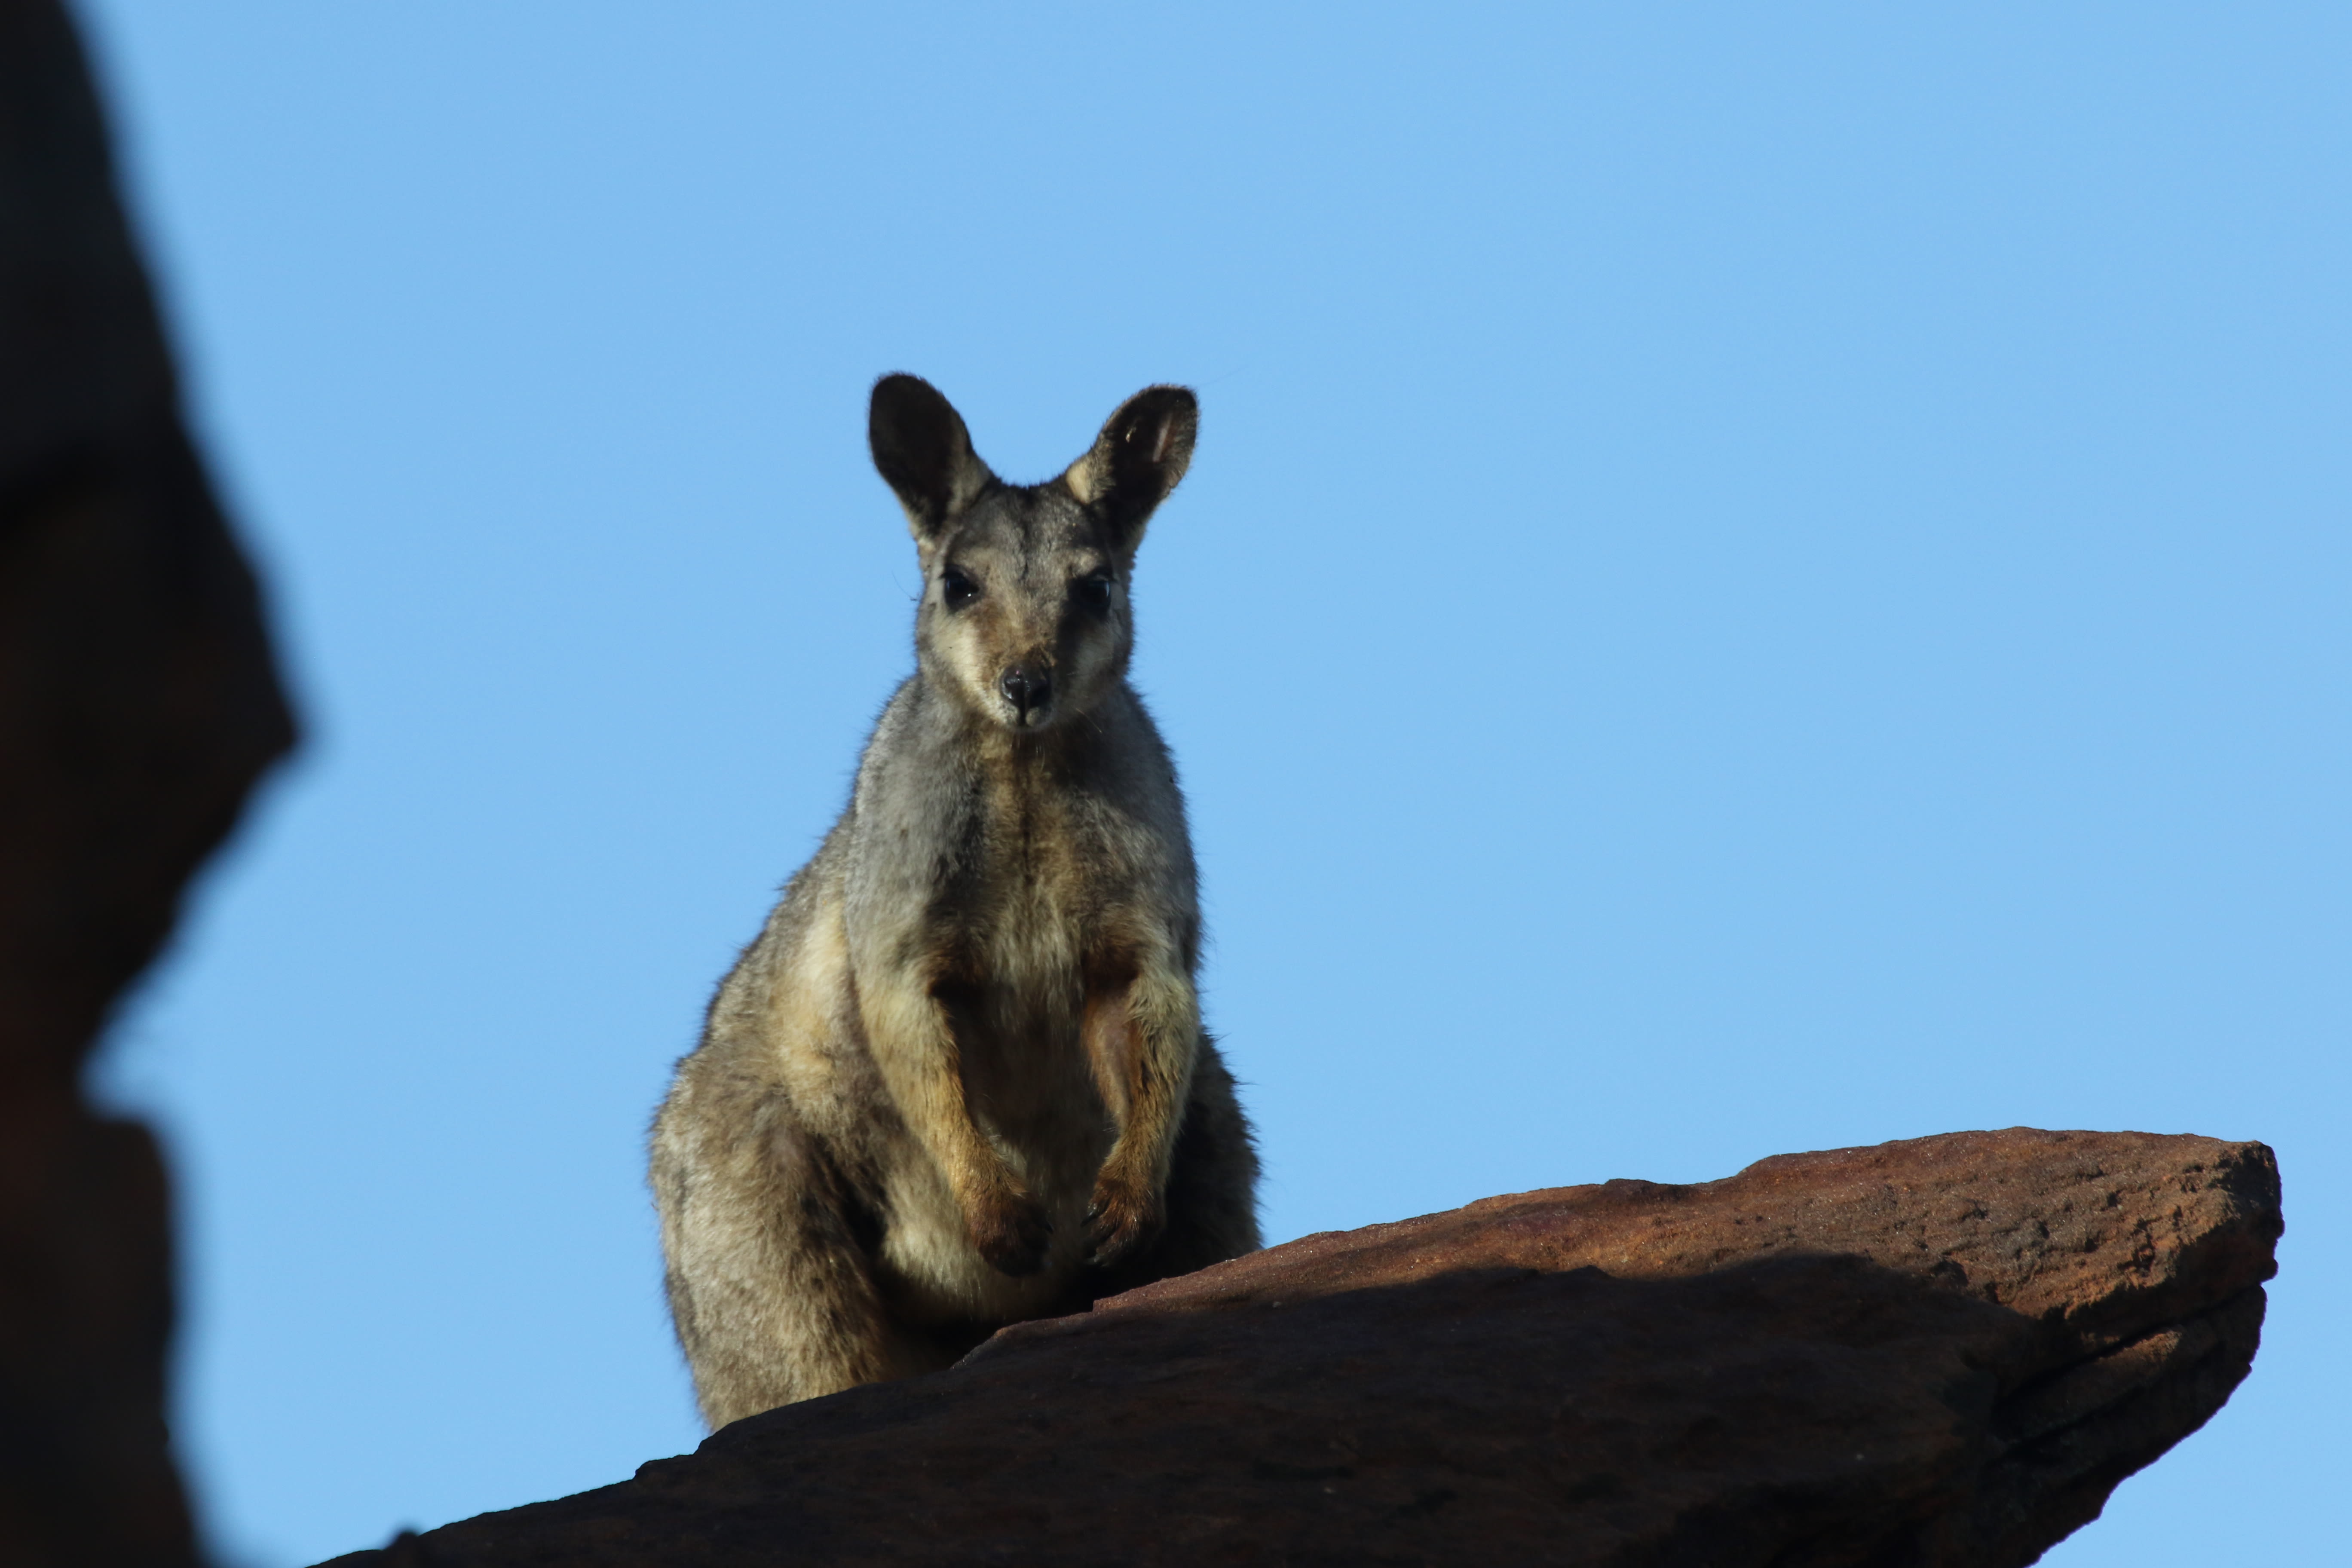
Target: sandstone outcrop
(138, 704)
(1931, 1353)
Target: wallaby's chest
(1023, 895)
(1011, 873)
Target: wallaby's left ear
(1137, 458)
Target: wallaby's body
(961, 1080)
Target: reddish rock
(138, 703)
(1937, 1352)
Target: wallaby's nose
(1027, 689)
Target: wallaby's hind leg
(768, 1250)
(1212, 1204)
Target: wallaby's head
(1025, 611)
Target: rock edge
(1947, 1351)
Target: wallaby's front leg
(1142, 1033)
(912, 1035)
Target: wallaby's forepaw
(1122, 1217)
(1011, 1232)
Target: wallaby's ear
(1137, 458)
(923, 451)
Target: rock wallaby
(961, 1080)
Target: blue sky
(1751, 581)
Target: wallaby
(961, 1080)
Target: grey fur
(959, 1079)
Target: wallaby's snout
(1030, 689)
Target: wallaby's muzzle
(1030, 689)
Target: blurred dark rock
(1933, 1353)
(138, 704)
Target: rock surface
(1937, 1352)
(138, 704)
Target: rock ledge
(1942, 1352)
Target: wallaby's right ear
(924, 453)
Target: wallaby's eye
(1093, 594)
(957, 589)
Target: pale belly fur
(1031, 1094)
